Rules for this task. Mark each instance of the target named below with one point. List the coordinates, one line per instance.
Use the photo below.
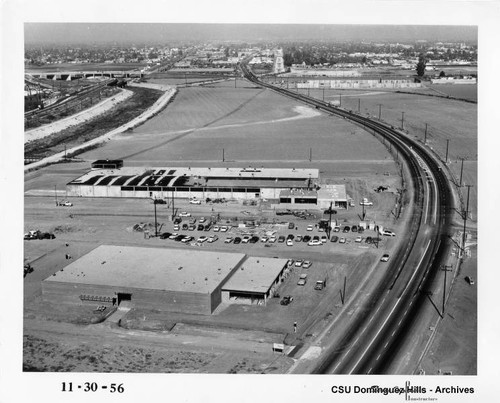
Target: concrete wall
(187, 302)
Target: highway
(371, 339)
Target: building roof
(299, 193)
(150, 268)
(332, 192)
(255, 275)
(195, 174)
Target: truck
(320, 284)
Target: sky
(156, 33)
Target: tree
(421, 65)
(442, 74)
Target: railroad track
(404, 297)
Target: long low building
(162, 278)
(191, 182)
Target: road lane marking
(391, 312)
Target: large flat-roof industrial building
(192, 182)
(165, 279)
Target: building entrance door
(122, 296)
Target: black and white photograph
(263, 197)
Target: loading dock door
(122, 296)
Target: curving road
(370, 342)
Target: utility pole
(402, 120)
(55, 193)
(173, 208)
(425, 134)
(329, 227)
(379, 111)
(466, 213)
(223, 158)
(342, 294)
(461, 170)
(445, 269)
(340, 103)
(156, 223)
(359, 105)
(447, 144)
(65, 152)
(307, 90)
(363, 215)
(310, 154)
(323, 94)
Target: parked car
(298, 262)
(334, 238)
(320, 284)
(202, 239)
(212, 239)
(386, 232)
(306, 238)
(342, 240)
(194, 201)
(184, 214)
(310, 228)
(281, 239)
(177, 227)
(191, 227)
(208, 227)
(358, 239)
(324, 239)
(290, 236)
(369, 240)
(315, 238)
(385, 257)
(360, 230)
(286, 300)
(224, 228)
(469, 280)
(315, 242)
(65, 203)
(201, 227)
(290, 262)
(177, 220)
(354, 228)
(298, 238)
(302, 279)
(228, 239)
(306, 264)
(237, 240)
(289, 242)
(291, 225)
(245, 239)
(173, 236)
(254, 239)
(272, 239)
(336, 229)
(187, 239)
(216, 228)
(328, 211)
(185, 227)
(202, 220)
(346, 229)
(264, 239)
(165, 235)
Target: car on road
(469, 280)
(335, 238)
(202, 239)
(289, 242)
(324, 239)
(310, 228)
(201, 227)
(286, 300)
(358, 239)
(165, 235)
(306, 264)
(212, 239)
(315, 242)
(342, 240)
(272, 239)
(281, 239)
(306, 238)
(346, 229)
(184, 214)
(229, 239)
(385, 257)
(302, 279)
(237, 240)
(194, 201)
